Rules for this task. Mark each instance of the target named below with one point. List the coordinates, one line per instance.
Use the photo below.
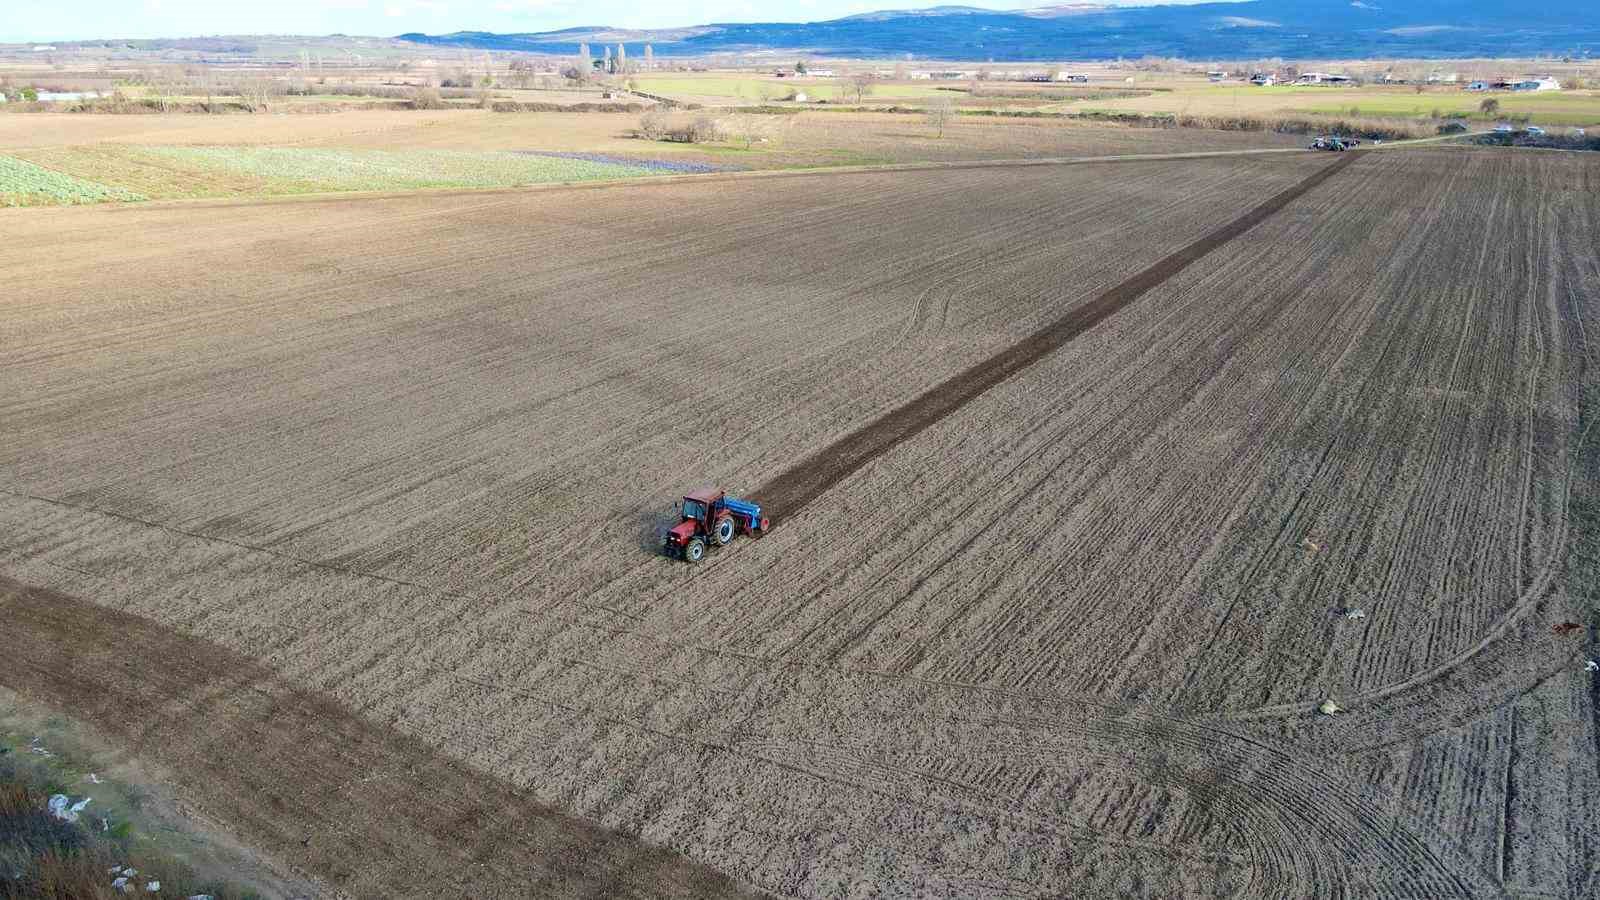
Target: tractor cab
(710, 516)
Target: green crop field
(298, 169)
(23, 183)
(1575, 108)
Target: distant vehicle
(1535, 130)
(1578, 132)
(1329, 143)
(711, 516)
(1503, 128)
(1452, 128)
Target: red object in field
(710, 517)
(1566, 628)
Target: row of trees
(585, 66)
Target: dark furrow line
(792, 490)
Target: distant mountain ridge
(1292, 29)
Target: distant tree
(649, 57)
(654, 123)
(899, 71)
(800, 67)
(254, 93)
(622, 59)
(427, 98)
(984, 74)
(861, 84)
(747, 128)
(1489, 106)
(609, 66)
(939, 113)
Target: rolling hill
(1293, 29)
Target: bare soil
(410, 457)
(317, 785)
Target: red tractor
(712, 517)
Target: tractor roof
(704, 495)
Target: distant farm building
(1321, 78)
(820, 73)
(1262, 79)
(1536, 83)
(1218, 75)
(1443, 77)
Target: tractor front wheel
(695, 550)
(723, 532)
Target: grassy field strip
(23, 183)
(387, 170)
(223, 185)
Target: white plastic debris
(115, 870)
(1329, 707)
(92, 778)
(152, 886)
(199, 897)
(122, 884)
(62, 807)
(1593, 665)
(1355, 614)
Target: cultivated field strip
(1064, 640)
(793, 489)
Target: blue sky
(37, 20)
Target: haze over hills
(1293, 29)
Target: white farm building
(1536, 83)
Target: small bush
(706, 130)
(427, 98)
(653, 124)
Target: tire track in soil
(373, 812)
(791, 491)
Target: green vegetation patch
(1548, 109)
(302, 169)
(23, 183)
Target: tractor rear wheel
(722, 532)
(695, 550)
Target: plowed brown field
(1063, 634)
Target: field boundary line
(792, 490)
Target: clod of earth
(1329, 707)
